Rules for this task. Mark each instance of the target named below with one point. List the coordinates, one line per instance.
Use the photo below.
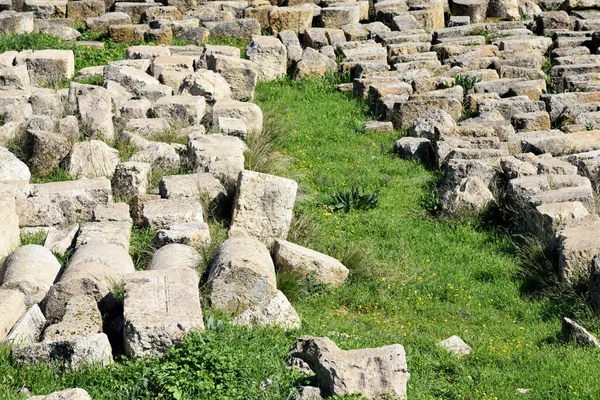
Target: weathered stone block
(152, 324)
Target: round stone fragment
(32, 270)
(175, 255)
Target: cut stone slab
(185, 110)
(94, 105)
(29, 328)
(12, 307)
(114, 212)
(50, 66)
(375, 373)
(59, 241)
(292, 257)
(413, 148)
(378, 126)
(250, 113)
(68, 394)
(161, 214)
(273, 311)
(31, 269)
(577, 243)
(241, 275)
(130, 179)
(208, 84)
(16, 22)
(295, 18)
(561, 145)
(195, 234)
(132, 79)
(470, 195)
(92, 159)
(81, 318)
(175, 255)
(11, 168)
(63, 203)
(572, 331)
(270, 55)
(45, 150)
(193, 186)
(220, 155)
(10, 235)
(73, 353)
(455, 345)
(160, 308)
(241, 75)
(548, 218)
(263, 206)
(115, 232)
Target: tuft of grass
(118, 292)
(16, 145)
(547, 67)
(140, 248)
(172, 135)
(157, 174)
(33, 238)
(57, 175)
(97, 80)
(218, 234)
(126, 149)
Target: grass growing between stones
(415, 280)
(140, 248)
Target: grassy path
(428, 279)
(415, 281)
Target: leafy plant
(353, 199)
(467, 82)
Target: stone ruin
(502, 95)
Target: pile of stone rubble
(466, 80)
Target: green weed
(34, 238)
(353, 199)
(56, 175)
(467, 82)
(140, 248)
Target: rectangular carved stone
(160, 307)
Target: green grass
(239, 43)
(57, 175)
(427, 279)
(33, 238)
(140, 249)
(415, 280)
